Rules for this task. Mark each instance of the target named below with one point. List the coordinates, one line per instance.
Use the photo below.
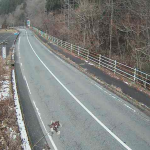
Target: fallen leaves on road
(54, 126)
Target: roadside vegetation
(9, 132)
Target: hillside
(8, 6)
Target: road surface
(9, 37)
(92, 118)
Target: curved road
(92, 117)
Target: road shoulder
(128, 93)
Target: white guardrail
(130, 73)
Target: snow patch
(23, 134)
(4, 91)
(126, 83)
(91, 64)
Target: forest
(8, 6)
(118, 29)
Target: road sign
(28, 23)
(16, 33)
(4, 52)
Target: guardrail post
(88, 55)
(100, 60)
(78, 50)
(115, 66)
(61, 43)
(65, 45)
(71, 48)
(134, 74)
(58, 42)
(145, 81)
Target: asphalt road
(9, 37)
(126, 89)
(92, 118)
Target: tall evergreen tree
(8, 6)
(52, 5)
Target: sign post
(4, 52)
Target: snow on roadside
(4, 91)
(23, 134)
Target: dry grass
(7, 30)
(9, 132)
(2, 71)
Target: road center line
(88, 111)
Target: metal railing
(116, 67)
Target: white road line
(88, 111)
(51, 52)
(129, 107)
(18, 43)
(106, 92)
(27, 85)
(49, 136)
(21, 65)
(114, 97)
(98, 87)
(47, 133)
(19, 48)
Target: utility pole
(68, 19)
(68, 13)
(111, 25)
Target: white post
(115, 66)
(71, 48)
(4, 52)
(65, 45)
(78, 50)
(100, 60)
(61, 43)
(58, 42)
(88, 56)
(145, 81)
(134, 74)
